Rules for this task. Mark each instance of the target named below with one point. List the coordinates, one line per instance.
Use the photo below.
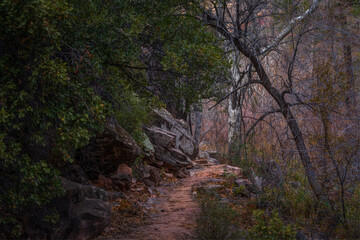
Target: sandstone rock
(109, 149)
(104, 182)
(93, 216)
(161, 137)
(184, 141)
(121, 181)
(213, 161)
(123, 169)
(150, 175)
(169, 175)
(182, 173)
(235, 170)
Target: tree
(68, 65)
(242, 23)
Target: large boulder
(160, 137)
(107, 150)
(93, 216)
(149, 175)
(75, 173)
(172, 159)
(82, 213)
(184, 141)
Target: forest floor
(171, 212)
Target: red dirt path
(178, 210)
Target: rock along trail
(177, 210)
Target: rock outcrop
(107, 150)
(174, 148)
(82, 213)
(184, 141)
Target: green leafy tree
(66, 65)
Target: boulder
(107, 150)
(74, 173)
(164, 158)
(203, 154)
(77, 192)
(160, 137)
(234, 170)
(93, 216)
(149, 175)
(184, 141)
(121, 181)
(213, 161)
(172, 159)
(123, 169)
(82, 213)
(182, 173)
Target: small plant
(217, 221)
(270, 227)
(240, 191)
(228, 175)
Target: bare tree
(247, 27)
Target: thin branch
(292, 24)
(236, 89)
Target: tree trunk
(350, 97)
(198, 122)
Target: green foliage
(353, 215)
(270, 227)
(217, 220)
(67, 65)
(240, 190)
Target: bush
(217, 221)
(270, 227)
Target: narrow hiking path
(177, 209)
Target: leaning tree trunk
(293, 125)
(243, 44)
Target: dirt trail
(177, 207)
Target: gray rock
(82, 214)
(93, 216)
(78, 192)
(203, 154)
(150, 175)
(160, 137)
(184, 141)
(213, 161)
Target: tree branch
(292, 24)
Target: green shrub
(270, 227)
(353, 215)
(217, 221)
